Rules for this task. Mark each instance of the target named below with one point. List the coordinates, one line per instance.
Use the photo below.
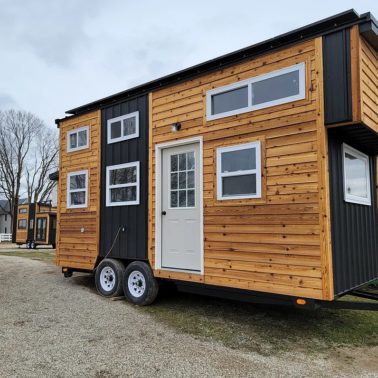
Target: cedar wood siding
(22, 236)
(76, 249)
(278, 243)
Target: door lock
(164, 213)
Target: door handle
(164, 213)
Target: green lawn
(47, 255)
(265, 329)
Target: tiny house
(254, 173)
(36, 224)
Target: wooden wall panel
(78, 229)
(273, 244)
(369, 84)
(22, 235)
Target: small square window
(122, 184)
(78, 139)
(239, 171)
(22, 224)
(77, 188)
(356, 176)
(123, 128)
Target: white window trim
(121, 118)
(109, 187)
(76, 131)
(257, 171)
(301, 67)
(359, 155)
(69, 191)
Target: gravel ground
(56, 327)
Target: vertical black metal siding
(354, 226)
(337, 77)
(131, 244)
(31, 214)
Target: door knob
(163, 213)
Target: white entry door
(181, 215)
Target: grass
(47, 255)
(265, 329)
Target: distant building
(5, 218)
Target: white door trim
(158, 182)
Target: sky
(60, 54)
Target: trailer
(251, 175)
(36, 224)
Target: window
(6, 217)
(274, 88)
(239, 171)
(22, 210)
(356, 176)
(78, 139)
(5, 230)
(31, 224)
(123, 127)
(22, 224)
(182, 180)
(122, 184)
(41, 229)
(77, 184)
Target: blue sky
(56, 55)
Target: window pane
(239, 185)
(41, 229)
(174, 181)
(182, 198)
(129, 126)
(77, 198)
(182, 180)
(77, 182)
(123, 176)
(174, 198)
(123, 194)
(82, 138)
(174, 163)
(73, 140)
(274, 88)
(356, 176)
(190, 180)
(191, 202)
(182, 162)
(239, 160)
(115, 130)
(230, 100)
(190, 161)
(22, 224)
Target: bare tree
(44, 162)
(19, 131)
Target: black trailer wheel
(109, 277)
(33, 245)
(139, 284)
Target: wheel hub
(136, 284)
(107, 278)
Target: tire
(28, 245)
(109, 278)
(139, 284)
(33, 245)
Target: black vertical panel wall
(131, 244)
(31, 217)
(354, 227)
(337, 77)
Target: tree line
(28, 154)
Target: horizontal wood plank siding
(77, 249)
(271, 244)
(369, 85)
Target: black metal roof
(327, 25)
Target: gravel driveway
(56, 327)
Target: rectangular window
(274, 88)
(123, 128)
(41, 229)
(356, 176)
(239, 171)
(22, 224)
(78, 139)
(22, 210)
(122, 184)
(182, 181)
(6, 217)
(77, 187)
